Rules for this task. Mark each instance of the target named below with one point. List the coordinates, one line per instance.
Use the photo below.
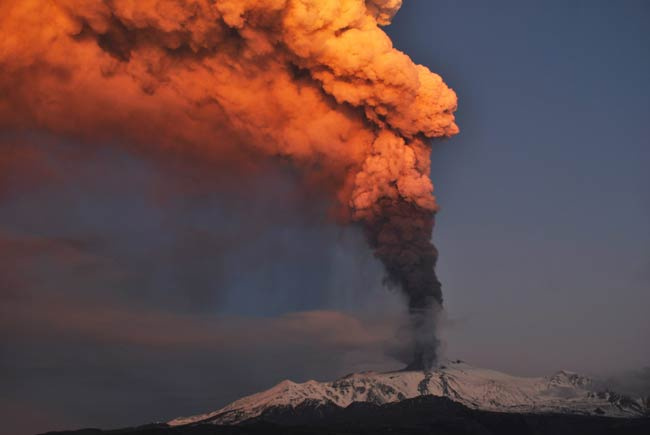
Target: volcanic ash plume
(315, 82)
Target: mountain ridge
(422, 415)
(564, 392)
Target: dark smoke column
(401, 238)
(393, 200)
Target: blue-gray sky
(543, 233)
(543, 238)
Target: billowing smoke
(314, 82)
(400, 233)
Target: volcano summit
(456, 398)
(477, 388)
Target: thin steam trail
(316, 82)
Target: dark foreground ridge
(419, 416)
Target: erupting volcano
(315, 82)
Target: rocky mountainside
(476, 388)
(422, 415)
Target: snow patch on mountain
(564, 392)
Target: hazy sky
(124, 305)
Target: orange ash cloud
(314, 81)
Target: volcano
(476, 388)
(453, 399)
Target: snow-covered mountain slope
(564, 392)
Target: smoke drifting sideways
(313, 82)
